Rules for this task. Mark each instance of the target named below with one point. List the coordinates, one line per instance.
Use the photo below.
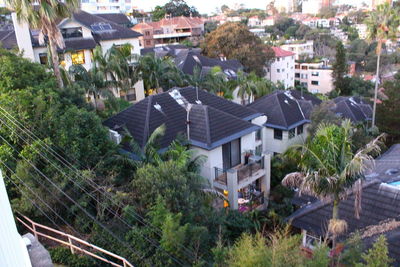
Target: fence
(74, 243)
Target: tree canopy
(175, 8)
(235, 41)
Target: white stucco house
(288, 117)
(282, 68)
(229, 135)
(82, 32)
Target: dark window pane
(277, 134)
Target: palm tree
(246, 86)
(382, 25)
(155, 72)
(217, 83)
(44, 15)
(329, 168)
(93, 81)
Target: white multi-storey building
(301, 49)
(106, 6)
(281, 70)
(283, 6)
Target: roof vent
(158, 107)
(286, 101)
(288, 94)
(198, 102)
(175, 94)
(196, 58)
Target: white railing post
(71, 245)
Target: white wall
(272, 145)
(285, 66)
(13, 251)
(69, 23)
(300, 49)
(213, 159)
(133, 41)
(22, 33)
(315, 72)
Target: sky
(204, 6)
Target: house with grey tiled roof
(380, 208)
(82, 32)
(226, 133)
(353, 108)
(288, 117)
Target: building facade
(281, 70)
(82, 33)
(106, 6)
(315, 77)
(170, 30)
(301, 49)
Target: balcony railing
(250, 169)
(220, 176)
(255, 201)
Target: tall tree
(382, 25)
(175, 8)
(235, 41)
(44, 15)
(339, 68)
(329, 168)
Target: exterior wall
(23, 36)
(213, 159)
(271, 145)
(311, 6)
(282, 70)
(315, 77)
(106, 6)
(13, 251)
(134, 42)
(301, 49)
(86, 33)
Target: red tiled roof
(279, 52)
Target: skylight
(98, 27)
(158, 107)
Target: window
(283, 70)
(231, 154)
(147, 33)
(297, 67)
(314, 82)
(304, 67)
(292, 133)
(71, 32)
(277, 134)
(287, 65)
(304, 76)
(315, 73)
(258, 135)
(300, 130)
(78, 57)
(278, 70)
(43, 58)
(297, 75)
(61, 59)
(148, 42)
(304, 85)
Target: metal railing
(220, 175)
(250, 169)
(75, 244)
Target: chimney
(23, 35)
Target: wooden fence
(75, 244)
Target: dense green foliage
(174, 8)
(235, 41)
(339, 68)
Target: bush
(62, 255)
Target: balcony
(245, 173)
(172, 35)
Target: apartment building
(288, 114)
(281, 70)
(283, 6)
(316, 77)
(170, 30)
(302, 49)
(82, 33)
(106, 6)
(229, 135)
(314, 6)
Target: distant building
(282, 68)
(269, 21)
(362, 30)
(301, 49)
(352, 108)
(254, 22)
(314, 6)
(283, 6)
(106, 6)
(316, 77)
(170, 30)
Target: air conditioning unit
(115, 137)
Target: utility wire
(75, 203)
(151, 241)
(65, 162)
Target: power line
(152, 242)
(75, 203)
(95, 186)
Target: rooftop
(213, 120)
(353, 108)
(279, 52)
